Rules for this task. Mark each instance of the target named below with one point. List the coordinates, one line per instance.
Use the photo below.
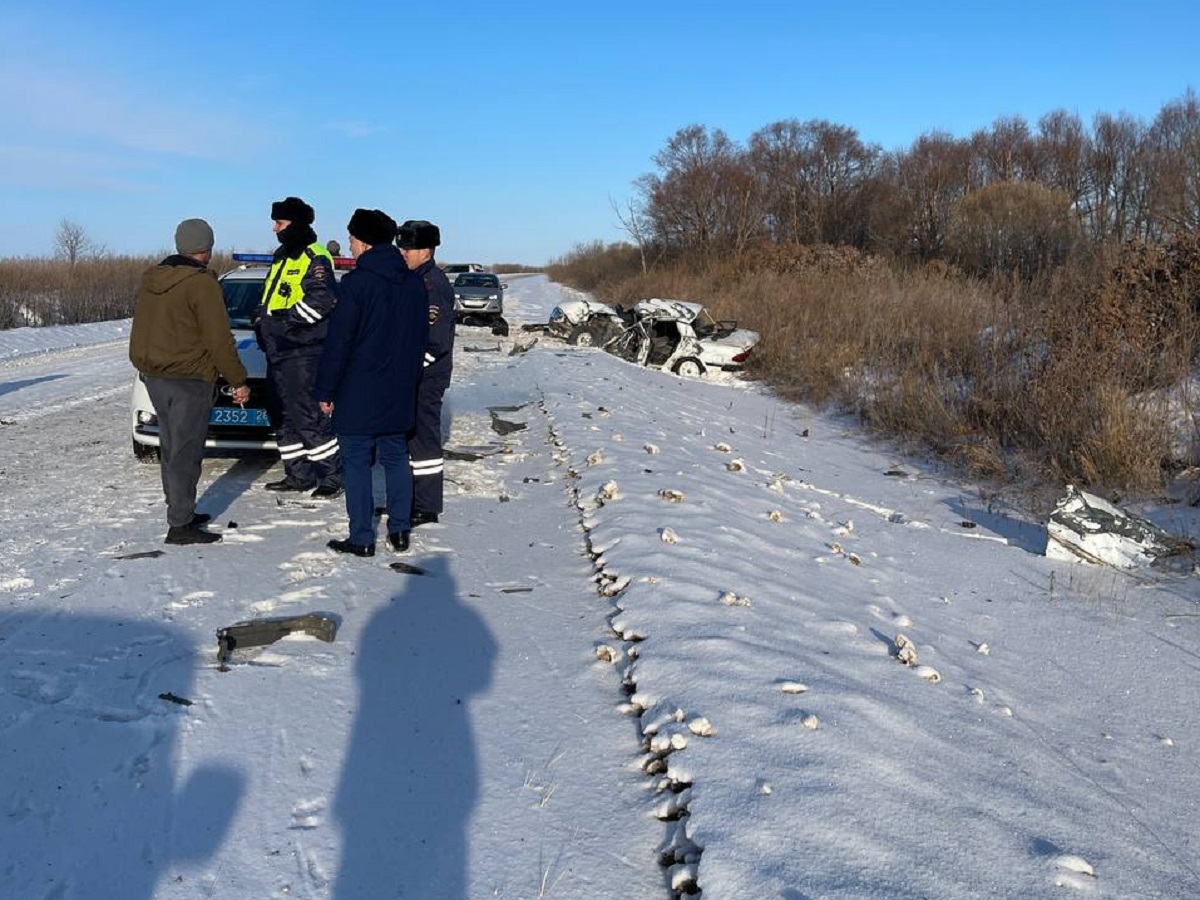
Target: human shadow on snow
(235, 481)
(410, 778)
(13, 386)
(93, 804)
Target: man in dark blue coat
(368, 375)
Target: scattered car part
(407, 568)
(260, 632)
(1086, 527)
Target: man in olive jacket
(180, 342)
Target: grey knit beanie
(193, 236)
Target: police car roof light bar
(339, 262)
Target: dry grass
(56, 292)
(1050, 379)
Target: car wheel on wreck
(500, 327)
(584, 336)
(688, 367)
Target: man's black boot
(190, 534)
(421, 517)
(398, 540)
(284, 484)
(348, 547)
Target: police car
(230, 426)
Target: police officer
(417, 240)
(291, 323)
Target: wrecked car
(673, 335)
(588, 323)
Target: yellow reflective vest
(284, 288)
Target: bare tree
(1003, 152)
(812, 176)
(779, 155)
(933, 176)
(71, 242)
(1061, 156)
(1173, 157)
(704, 195)
(1113, 193)
(635, 223)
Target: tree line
(1011, 198)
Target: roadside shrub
(590, 267)
(1016, 228)
(36, 292)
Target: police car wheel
(144, 453)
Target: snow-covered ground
(658, 641)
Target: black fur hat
(372, 226)
(417, 234)
(293, 209)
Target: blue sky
(514, 126)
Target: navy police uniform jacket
(439, 356)
(378, 334)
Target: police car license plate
(235, 415)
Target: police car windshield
(242, 298)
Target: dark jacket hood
(172, 271)
(385, 261)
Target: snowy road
(49, 383)
(657, 642)
(313, 759)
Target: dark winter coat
(180, 326)
(439, 356)
(378, 333)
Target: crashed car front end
(565, 316)
(570, 316)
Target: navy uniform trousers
(308, 446)
(425, 446)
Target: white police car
(230, 427)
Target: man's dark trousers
(183, 406)
(357, 453)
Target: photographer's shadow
(98, 803)
(410, 778)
